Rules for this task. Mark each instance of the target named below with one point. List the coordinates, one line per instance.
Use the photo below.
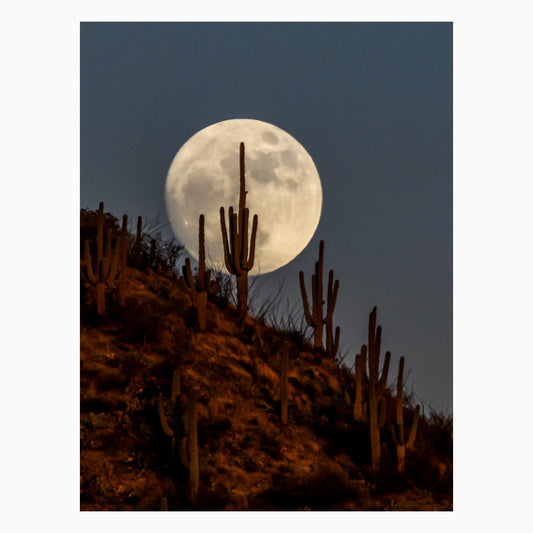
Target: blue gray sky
(371, 103)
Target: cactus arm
(105, 263)
(114, 263)
(243, 237)
(225, 242)
(188, 275)
(88, 264)
(163, 418)
(307, 312)
(251, 258)
(333, 289)
(414, 427)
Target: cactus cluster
(238, 254)
(102, 274)
(201, 286)
(370, 406)
(376, 387)
(314, 315)
(398, 431)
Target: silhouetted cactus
(174, 425)
(398, 433)
(284, 382)
(182, 426)
(105, 269)
(238, 255)
(376, 385)
(202, 286)
(315, 316)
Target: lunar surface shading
(282, 183)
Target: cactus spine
(315, 317)
(284, 383)
(202, 286)
(105, 269)
(376, 386)
(238, 255)
(398, 433)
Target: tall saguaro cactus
(202, 286)
(398, 433)
(238, 254)
(105, 269)
(315, 316)
(182, 426)
(376, 386)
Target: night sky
(372, 104)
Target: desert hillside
(149, 371)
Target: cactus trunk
(398, 430)
(202, 286)
(238, 254)
(314, 315)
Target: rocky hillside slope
(247, 459)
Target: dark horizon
(370, 102)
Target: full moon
(282, 183)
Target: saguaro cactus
(376, 386)
(284, 382)
(238, 255)
(315, 316)
(182, 426)
(398, 433)
(105, 269)
(202, 286)
(175, 425)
